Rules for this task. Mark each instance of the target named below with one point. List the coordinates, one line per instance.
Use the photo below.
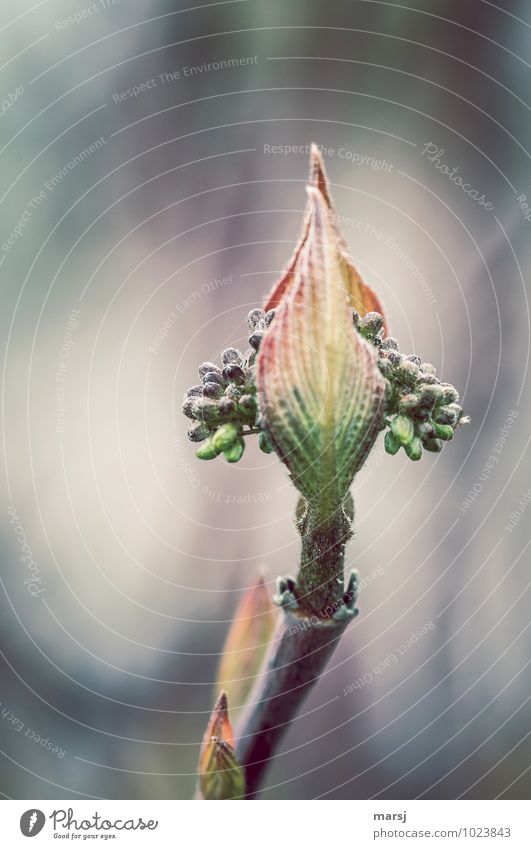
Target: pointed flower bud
(220, 775)
(360, 296)
(319, 386)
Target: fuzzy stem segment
(320, 577)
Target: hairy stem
(324, 539)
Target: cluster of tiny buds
(223, 406)
(420, 410)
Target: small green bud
(446, 415)
(197, 432)
(232, 392)
(371, 323)
(385, 366)
(255, 339)
(206, 367)
(207, 451)
(213, 377)
(394, 357)
(450, 394)
(224, 437)
(212, 390)
(256, 319)
(403, 429)
(408, 371)
(443, 431)
(428, 368)
(206, 410)
(429, 395)
(231, 355)
(391, 444)
(247, 404)
(227, 407)
(408, 404)
(426, 379)
(188, 407)
(434, 445)
(413, 449)
(264, 443)
(233, 373)
(194, 390)
(235, 452)
(425, 430)
(390, 344)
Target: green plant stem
(320, 577)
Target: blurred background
(152, 186)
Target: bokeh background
(126, 264)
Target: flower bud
(390, 344)
(188, 407)
(235, 451)
(443, 431)
(434, 445)
(194, 390)
(207, 451)
(233, 373)
(408, 404)
(255, 339)
(247, 405)
(450, 394)
(225, 436)
(391, 444)
(206, 410)
(446, 416)
(231, 355)
(213, 390)
(265, 444)
(227, 407)
(413, 449)
(255, 319)
(197, 432)
(213, 377)
(402, 429)
(206, 367)
(319, 387)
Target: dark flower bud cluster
(420, 410)
(223, 407)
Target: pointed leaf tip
(220, 774)
(247, 642)
(362, 297)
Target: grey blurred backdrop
(143, 213)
